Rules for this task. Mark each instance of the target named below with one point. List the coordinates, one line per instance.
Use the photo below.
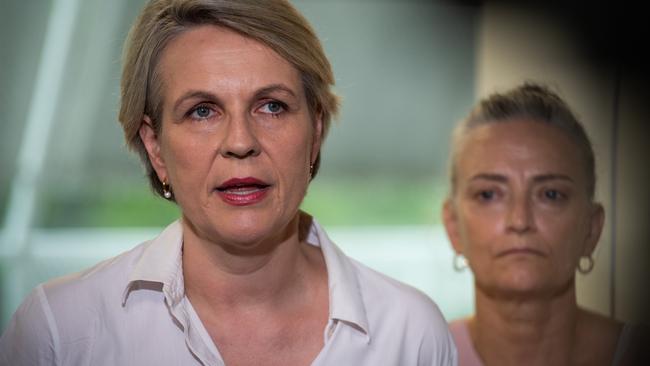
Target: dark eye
(486, 195)
(553, 194)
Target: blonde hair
(274, 23)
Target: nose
(520, 217)
(240, 140)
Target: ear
(450, 220)
(317, 138)
(596, 223)
(152, 145)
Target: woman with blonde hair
(228, 102)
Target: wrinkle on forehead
(518, 148)
(232, 51)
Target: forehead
(518, 147)
(217, 58)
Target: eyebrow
(537, 179)
(551, 176)
(274, 88)
(192, 94)
(200, 94)
(490, 176)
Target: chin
(249, 232)
(242, 234)
(520, 283)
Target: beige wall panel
(515, 45)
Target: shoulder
(394, 293)
(29, 338)
(395, 316)
(467, 354)
(402, 313)
(64, 309)
(105, 279)
(390, 301)
(108, 280)
(598, 337)
(632, 346)
(458, 329)
(380, 293)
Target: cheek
(186, 158)
(290, 150)
(478, 232)
(564, 236)
(292, 169)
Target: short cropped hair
(274, 23)
(527, 102)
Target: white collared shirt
(132, 310)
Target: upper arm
(30, 337)
(438, 348)
(437, 345)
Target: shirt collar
(161, 263)
(346, 302)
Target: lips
(243, 191)
(521, 251)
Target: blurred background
(71, 194)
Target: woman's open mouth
(243, 191)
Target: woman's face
(237, 136)
(520, 212)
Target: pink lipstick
(243, 191)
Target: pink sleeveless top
(467, 355)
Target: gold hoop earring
(460, 262)
(590, 265)
(167, 193)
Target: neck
(219, 278)
(515, 330)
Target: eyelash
(281, 105)
(191, 113)
(493, 194)
(560, 196)
(480, 195)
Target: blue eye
(202, 111)
(273, 107)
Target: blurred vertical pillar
(518, 43)
(23, 195)
(633, 199)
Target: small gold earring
(167, 193)
(311, 170)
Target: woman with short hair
(228, 103)
(522, 212)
